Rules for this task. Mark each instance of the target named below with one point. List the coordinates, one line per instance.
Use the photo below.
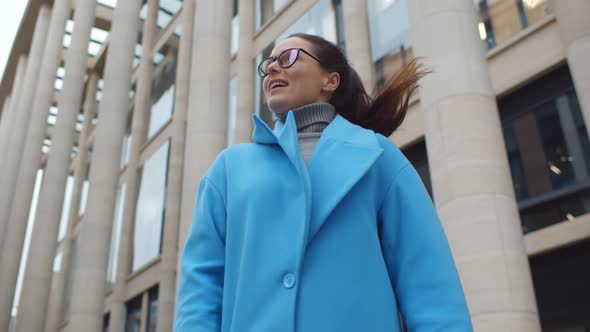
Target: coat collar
(343, 155)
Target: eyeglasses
(285, 60)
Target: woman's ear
(331, 82)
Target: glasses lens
(288, 58)
(263, 67)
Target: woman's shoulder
(393, 160)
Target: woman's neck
(311, 118)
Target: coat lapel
(343, 155)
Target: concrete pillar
(167, 289)
(87, 302)
(142, 105)
(246, 71)
(56, 300)
(15, 95)
(209, 91)
(22, 113)
(574, 27)
(31, 154)
(38, 271)
(469, 167)
(358, 47)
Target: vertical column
(138, 136)
(31, 154)
(358, 48)
(87, 302)
(22, 113)
(574, 27)
(167, 289)
(468, 162)
(8, 175)
(38, 271)
(209, 91)
(246, 70)
(15, 96)
(55, 305)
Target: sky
(11, 13)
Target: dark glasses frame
(262, 73)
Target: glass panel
(233, 108)
(126, 145)
(108, 3)
(133, 323)
(57, 262)
(84, 197)
(65, 211)
(163, 88)
(116, 235)
(235, 34)
(150, 208)
(266, 9)
(416, 154)
(389, 28)
(152, 310)
(502, 19)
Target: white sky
(11, 12)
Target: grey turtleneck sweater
(311, 120)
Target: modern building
(113, 110)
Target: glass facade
(548, 150)
(116, 234)
(322, 20)
(391, 46)
(133, 323)
(502, 19)
(163, 89)
(149, 213)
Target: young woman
(321, 224)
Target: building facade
(113, 110)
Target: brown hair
(383, 113)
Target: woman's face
(305, 81)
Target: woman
(321, 224)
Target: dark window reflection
(133, 323)
(548, 151)
(417, 156)
(152, 310)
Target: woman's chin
(278, 106)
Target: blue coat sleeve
(419, 260)
(200, 291)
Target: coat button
(289, 280)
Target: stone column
(358, 47)
(470, 172)
(87, 302)
(574, 27)
(56, 300)
(31, 154)
(138, 136)
(22, 112)
(208, 101)
(38, 271)
(167, 289)
(10, 170)
(246, 71)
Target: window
(163, 89)
(65, 211)
(416, 154)
(322, 20)
(233, 108)
(548, 151)
(116, 235)
(152, 310)
(389, 27)
(266, 9)
(126, 145)
(133, 323)
(235, 29)
(149, 213)
(502, 19)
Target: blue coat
(342, 244)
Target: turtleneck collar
(312, 118)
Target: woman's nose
(273, 67)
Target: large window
(548, 150)
(389, 27)
(152, 310)
(163, 88)
(133, 323)
(149, 213)
(502, 19)
(116, 235)
(321, 20)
